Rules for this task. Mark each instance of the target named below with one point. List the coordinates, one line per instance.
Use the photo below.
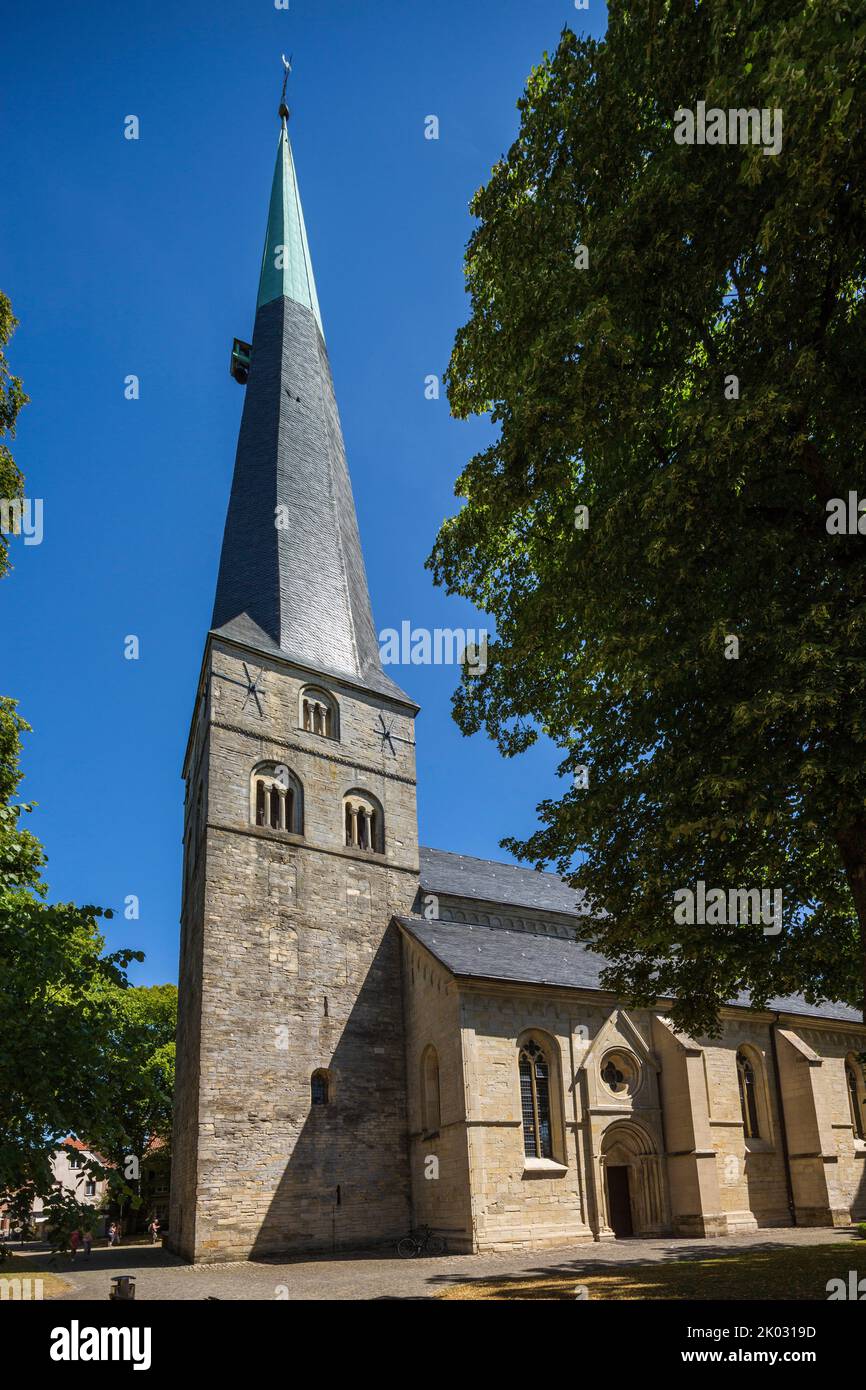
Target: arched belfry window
(855, 1087)
(363, 822)
(276, 799)
(748, 1083)
(318, 712)
(534, 1067)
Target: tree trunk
(852, 843)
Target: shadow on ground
(758, 1271)
(124, 1257)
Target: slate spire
(292, 576)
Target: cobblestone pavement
(378, 1274)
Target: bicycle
(420, 1242)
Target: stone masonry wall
(299, 972)
(751, 1172)
(440, 1189)
(184, 1148)
(517, 1202)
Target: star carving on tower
(252, 686)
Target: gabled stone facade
(674, 1128)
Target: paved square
(381, 1274)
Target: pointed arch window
(534, 1068)
(276, 799)
(855, 1088)
(363, 822)
(318, 712)
(748, 1084)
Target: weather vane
(284, 110)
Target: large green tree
(59, 994)
(57, 987)
(81, 1052)
(608, 377)
(132, 1134)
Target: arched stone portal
(633, 1184)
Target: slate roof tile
(496, 953)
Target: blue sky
(142, 257)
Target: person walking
(74, 1241)
(154, 1230)
(112, 1234)
(87, 1241)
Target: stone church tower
(300, 835)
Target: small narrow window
(748, 1096)
(319, 1088)
(430, 1104)
(260, 803)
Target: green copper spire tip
(287, 268)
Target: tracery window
(277, 799)
(612, 1076)
(747, 1081)
(363, 822)
(534, 1070)
(620, 1073)
(854, 1083)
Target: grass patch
(24, 1268)
(793, 1272)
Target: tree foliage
(83, 1053)
(140, 1071)
(707, 514)
(58, 999)
(12, 398)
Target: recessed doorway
(619, 1201)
